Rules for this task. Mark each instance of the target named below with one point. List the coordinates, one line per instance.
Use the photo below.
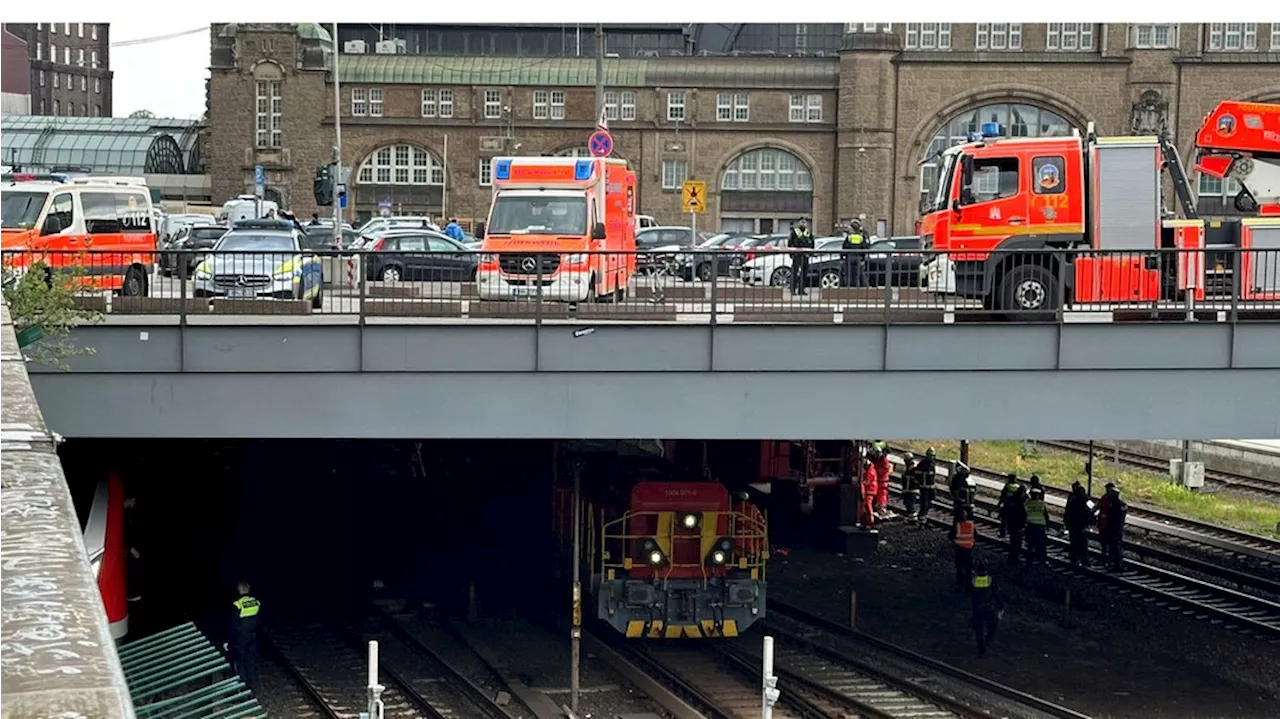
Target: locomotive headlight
(655, 557)
(689, 521)
(718, 557)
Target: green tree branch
(46, 298)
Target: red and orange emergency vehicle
(567, 223)
(1001, 204)
(102, 225)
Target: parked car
(894, 261)
(260, 259)
(668, 241)
(174, 223)
(774, 268)
(320, 237)
(189, 237)
(697, 261)
(382, 224)
(419, 255)
(757, 244)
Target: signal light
(322, 186)
(719, 553)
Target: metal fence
(1170, 285)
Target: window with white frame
(57, 80)
(42, 78)
(1148, 37)
(97, 84)
(492, 104)
(805, 108)
(855, 27)
(80, 57)
(375, 102)
(1069, 36)
(66, 56)
(66, 29)
(802, 37)
(53, 28)
(1233, 36)
(548, 105)
(1217, 190)
(39, 51)
(1275, 37)
(55, 107)
(402, 164)
(732, 107)
(270, 113)
(80, 29)
(484, 173)
(928, 36)
(93, 58)
(674, 173)
(557, 104)
(93, 31)
(84, 84)
(999, 36)
(619, 105)
(359, 101)
(767, 168)
(53, 52)
(437, 103)
(675, 106)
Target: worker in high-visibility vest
(963, 538)
(1037, 527)
(884, 470)
(851, 250)
(245, 617)
(987, 607)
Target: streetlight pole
(599, 69)
(337, 143)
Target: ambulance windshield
(20, 210)
(538, 215)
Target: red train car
(104, 542)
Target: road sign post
(600, 143)
(259, 188)
(693, 200)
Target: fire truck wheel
(1028, 289)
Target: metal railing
(622, 545)
(856, 286)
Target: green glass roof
(108, 145)
(581, 72)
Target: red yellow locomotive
(677, 559)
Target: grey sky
(167, 76)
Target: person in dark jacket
(987, 606)
(852, 249)
(1011, 486)
(928, 472)
(910, 484)
(801, 239)
(1013, 515)
(962, 489)
(245, 616)
(1112, 512)
(1076, 518)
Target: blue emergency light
(502, 170)
(991, 129)
(582, 169)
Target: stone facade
(70, 67)
(882, 102)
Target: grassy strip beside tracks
(1060, 469)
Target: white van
(246, 207)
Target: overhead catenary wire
(159, 38)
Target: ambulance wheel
(1029, 292)
(591, 291)
(135, 283)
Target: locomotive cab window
(1048, 175)
(994, 178)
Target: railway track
(331, 667)
(1252, 554)
(1246, 613)
(1228, 481)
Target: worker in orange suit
(869, 486)
(883, 471)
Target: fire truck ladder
(1178, 173)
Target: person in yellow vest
(987, 607)
(852, 250)
(801, 240)
(1037, 527)
(963, 538)
(246, 611)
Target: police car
(261, 259)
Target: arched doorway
(403, 179)
(1015, 120)
(765, 190)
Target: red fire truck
(1004, 207)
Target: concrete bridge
(213, 375)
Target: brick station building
(781, 121)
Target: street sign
(600, 144)
(259, 180)
(693, 198)
(342, 196)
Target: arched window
(401, 165)
(765, 190)
(1014, 121)
(767, 168)
(574, 152)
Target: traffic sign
(259, 180)
(342, 196)
(693, 198)
(600, 144)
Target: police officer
(244, 622)
(1076, 518)
(851, 248)
(1037, 527)
(1014, 516)
(987, 607)
(928, 472)
(1112, 512)
(910, 484)
(801, 239)
(1010, 488)
(963, 537)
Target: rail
(851, 287)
